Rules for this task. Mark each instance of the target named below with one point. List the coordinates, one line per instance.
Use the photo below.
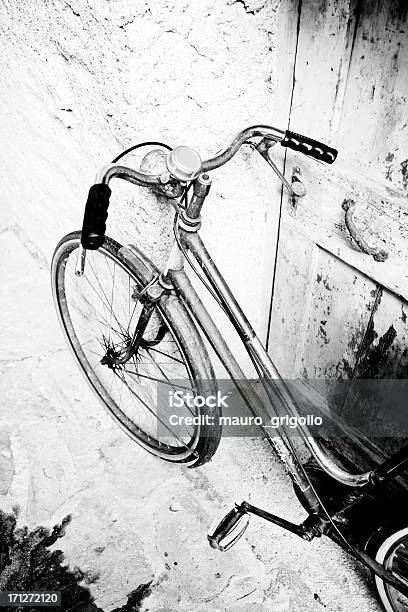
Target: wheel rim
(393, 555)
(97, 314)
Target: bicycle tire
(389, 545)
(172, 316)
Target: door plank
(294, 272)
(374, 134)
(381, 219)
(322, 62)
(285, 59)
(338, 317)
(350, 90)
(384, 359)
(321, 310)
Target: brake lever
(296, 189)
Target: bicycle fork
(149, 296)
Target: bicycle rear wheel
(98, 313)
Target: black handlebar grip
(95, 216)
(308, 146)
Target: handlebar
(221, 158)
(96, 210)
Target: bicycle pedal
(227, 529)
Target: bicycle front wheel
(99, 312)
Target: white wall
(82, 80)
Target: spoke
(153, 413)
(85, 277)
(158, 364)
(120, 396)
(98, 324)
(164, 382)
(96, 293)
(94, 353)
(100, 321)
(164, 354)
(112, 274)
(113, 288)
(109, 304)
(174, 388)
(107, 301)
(107, 264)
(131, 318)
(110, 388)
(147, 363)
(75, 289)
(128, 303)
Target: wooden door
(342, 77)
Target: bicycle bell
(183, 163)
(154, 162)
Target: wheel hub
(116, 356)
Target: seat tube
(193, 241)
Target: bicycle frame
(279, 398)
(316, 523)
(174, 276)
(176, 273)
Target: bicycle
(131, 326)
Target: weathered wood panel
(324, 47)
(350, 88)
(338, 316)
(380, 218)
(389, 332)
(383, 357)
(373, 134)
(285, 55)
(321, 311)
(293, 279)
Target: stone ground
(134, 517)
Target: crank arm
(225, 531)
